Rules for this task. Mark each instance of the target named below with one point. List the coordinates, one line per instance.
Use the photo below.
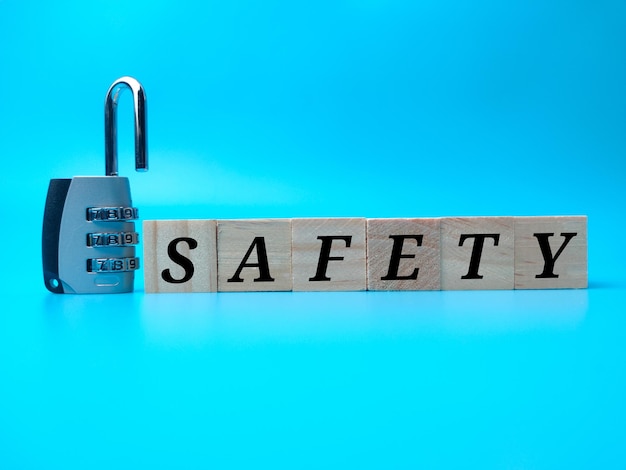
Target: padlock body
(89, 238)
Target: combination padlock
(89, 237)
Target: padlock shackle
(110, 124)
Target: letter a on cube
(254, 255)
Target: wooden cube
(403, 254)
(254, 255)
(550, 252)
(180, 256)
(477, 253)
(329, 254)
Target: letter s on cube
(180, 256)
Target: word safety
(353, 254)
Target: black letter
(263, 264)
(179, 259)
(477, 251)
(396, 254)
(325, 257)
(544, 244)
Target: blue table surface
(354, 108)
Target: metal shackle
(110, 124)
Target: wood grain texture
(180, 235)
(396, 248)
(315, 242)
(254, 255)
(462, 268)
(551, 252)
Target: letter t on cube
(477, 253)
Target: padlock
(89, 237)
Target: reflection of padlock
(88, 239)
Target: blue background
(367, 108)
